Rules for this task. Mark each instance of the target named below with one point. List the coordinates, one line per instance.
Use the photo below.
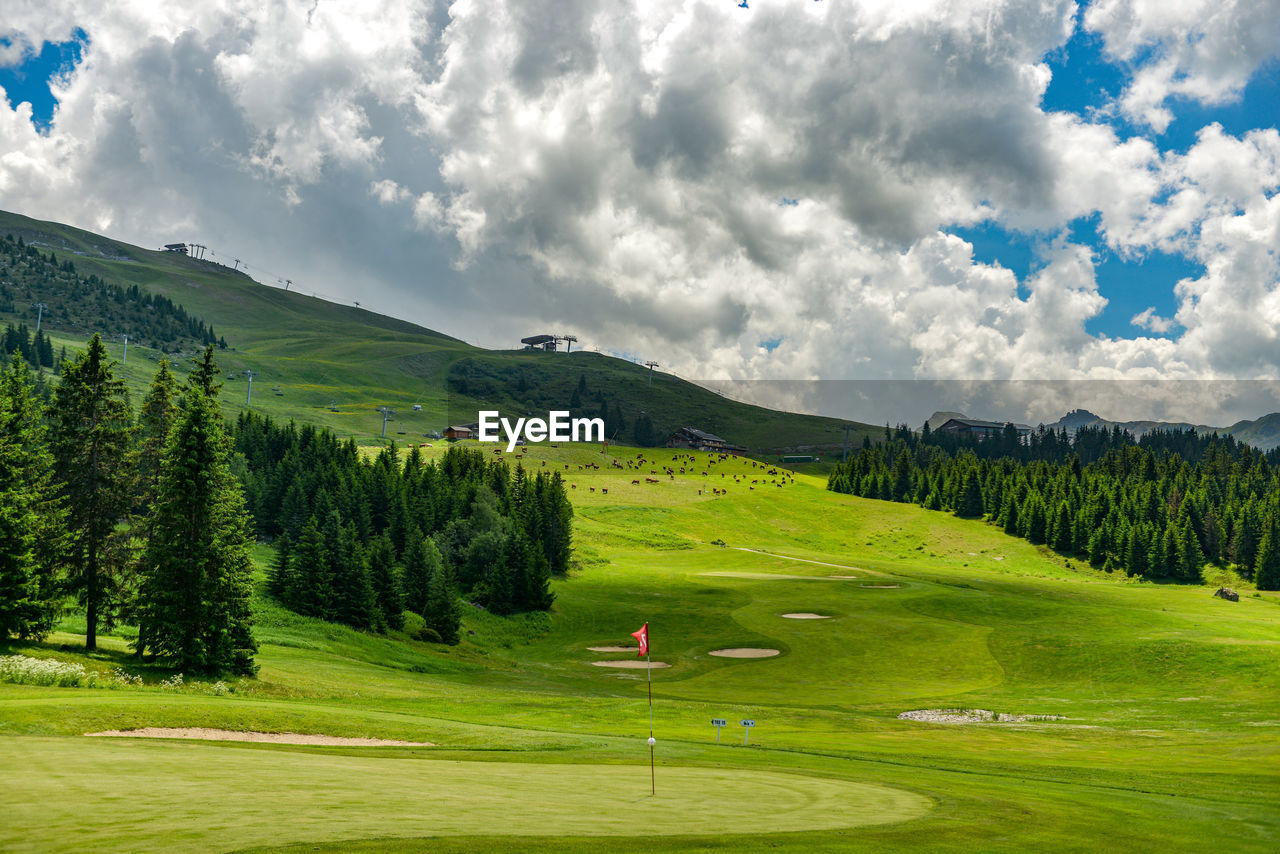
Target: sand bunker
(744, 652)
(842, 576)
(880, 586)
(764, 576)
(805, 615)
(628, 664)
(971, 716)
(612, 648)
(206, 734)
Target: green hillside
(1152, 709)
(312, 356)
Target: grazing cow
(605, 490)
(592, 488)
(573, 486)
(635, 483)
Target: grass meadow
(1168, 699)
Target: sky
(802, 190)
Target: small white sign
(748, 723)
(719, 722)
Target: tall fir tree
(353, 598)
(421, 561)
(441, 611)
(969, 504)
(90, 439)
(306, 583)
(155, 418)
(194, 600)
(385, 577)
(30, 515)
(1266, 572)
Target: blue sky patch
(30, 80)
(1131, 285)
(1085, 82)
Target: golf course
(1142, 714)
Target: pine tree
(155, 418)
(1266, 572)
(1190, 555)
(383, 574)
(30, 517)
(353, 600)
(970, 499)
(278, 580)
(1033, 519)
(1010, 514)
(1063, 534)
(421, 561)
(441, 611)
(204, 374)
(1244, 540)
(1136, 550)
(194, 600)
(90, 440)
(556, 515)
(306, 585)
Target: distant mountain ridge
(1263, 433)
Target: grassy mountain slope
(320, 355)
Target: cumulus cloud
(620, 170)
(1148, 319)
(1203, 50)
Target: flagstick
(653, 790)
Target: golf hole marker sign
(717, 723)
(746, 730)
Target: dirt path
(807, 560)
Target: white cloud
(1148, 319)
(618, 169)
(1203, 50)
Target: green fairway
(205, 792)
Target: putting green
(169, 795)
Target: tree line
(141, 520)
(1160, 507)
(148, 519)
(359, 540)
(80, 303)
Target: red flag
(643, 637)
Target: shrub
(428, 634)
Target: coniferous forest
(82, 304)
(360, 540)
(1160, 507)
(148, 519)
(140, 521)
